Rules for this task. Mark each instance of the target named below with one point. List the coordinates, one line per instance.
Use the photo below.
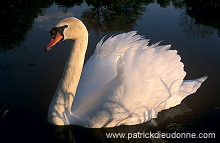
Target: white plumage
(125, 82)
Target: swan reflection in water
(164, 123)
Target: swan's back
(127, 81)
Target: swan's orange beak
(54, 41)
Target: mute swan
(125, 81)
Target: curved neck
(65, 93)
(74, 65)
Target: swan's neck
(74, 67)
(65, 93)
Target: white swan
(125, 81)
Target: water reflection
(18, 17)
(200, 18)
(110, 16)
(23, 126)
(194, 29)
(170, 121)
(68, 3)
(204, 12)
(75, 134)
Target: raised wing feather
(128, 82)
(102, 65)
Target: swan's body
(125, 81)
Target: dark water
(29, 76)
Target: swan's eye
(53, 32)
(61, 29)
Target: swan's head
(69, 28)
